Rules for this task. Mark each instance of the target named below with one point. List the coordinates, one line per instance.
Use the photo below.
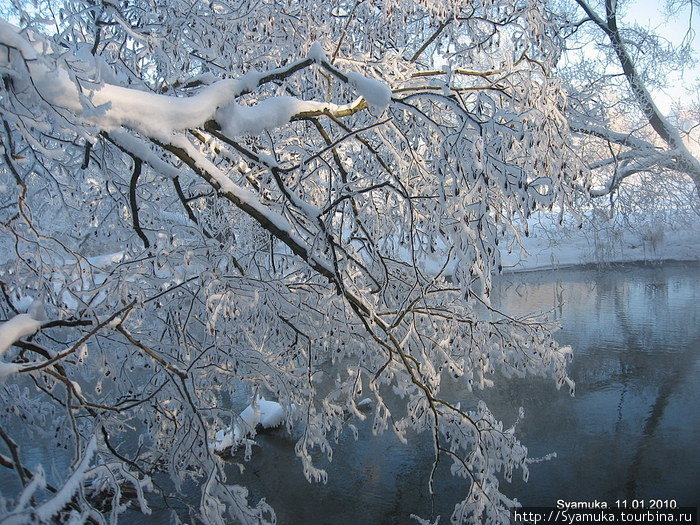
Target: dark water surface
(631, 431)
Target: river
(631, 431)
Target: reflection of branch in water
(623, 391)
(559, 299)
(655, 299)
(633, 339)
(682, 365)
(621, 301)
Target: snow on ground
(551, 247)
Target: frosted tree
(202, 198)
(612, 71)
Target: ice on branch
(50, 508)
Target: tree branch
(430, 40)
(136, 173)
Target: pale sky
(650, 13)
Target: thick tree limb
(686, 161)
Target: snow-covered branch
(273, 213)
(666, 134)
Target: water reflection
(631, 431)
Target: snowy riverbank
(549, 247)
